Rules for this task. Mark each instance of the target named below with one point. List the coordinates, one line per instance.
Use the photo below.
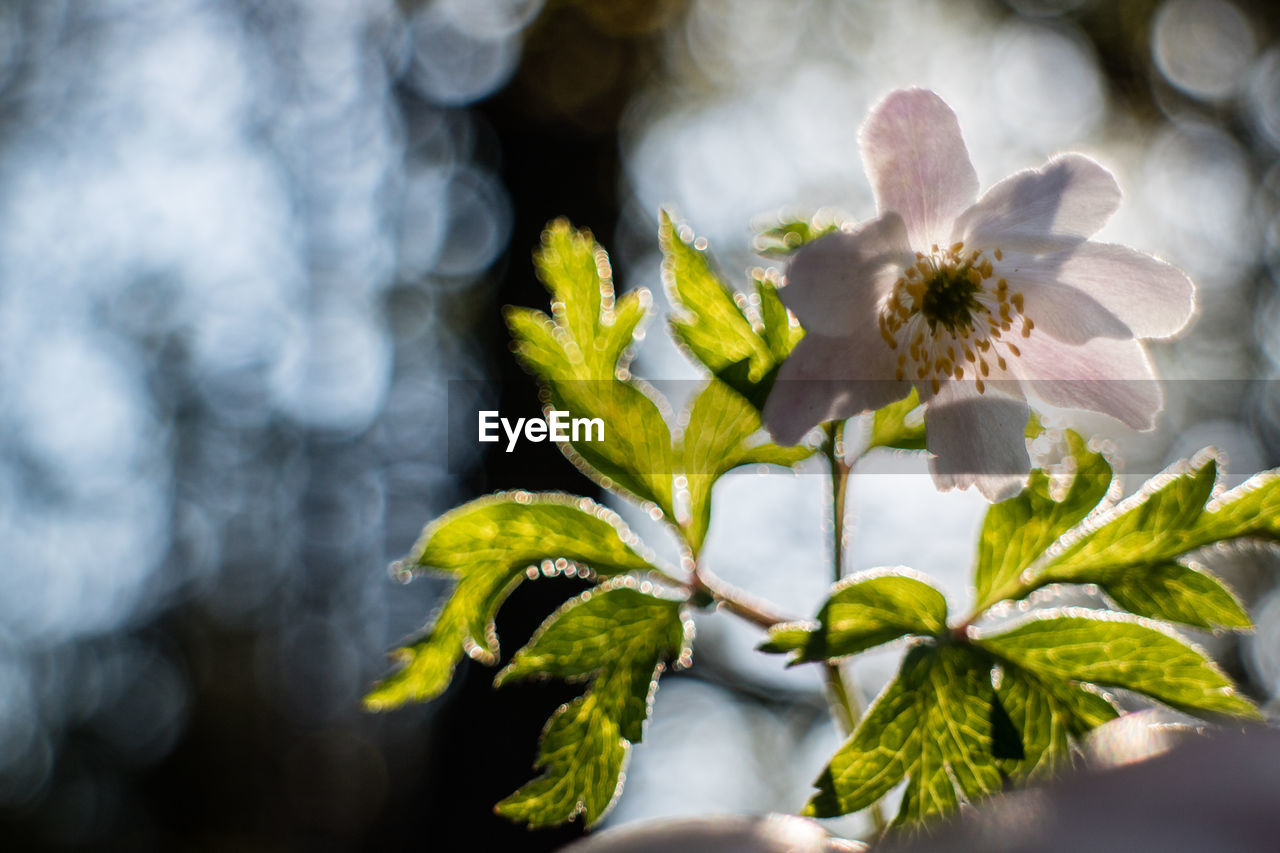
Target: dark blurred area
(246, 245)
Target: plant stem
(735, 600)
(839, 480)
(845, 707)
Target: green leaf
(1176, 593)
(1017, 531)
(863, 611)
(714, 325)
(1130, 551)
(635, 457)
(789, 637)
(1089, 706)
(1119, 650)
(488, 544)
(1044, 718)
(900, 425)
(891, 426)
(781, 331)
(618, 636)
(1150, 527)
(1251, 509)
(931, 725)
(426, 665)
(723, 433)
(581, 353)
(784, 238)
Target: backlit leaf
(1132, 550)
(780, 240)
(1017, 531)
(899, 425)
(713, 322)
(1149, 528)
(581, 352)
(1251, 509)
(932, 726)
(1044, 718)
(487, 545)
(723, 433)
(863, 611)
(1173, 592)
(618, 636)
(1119, 650)
(781, 332)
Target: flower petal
(1152, 298)
(978, 439)
(917, 163)
(1070, 315)
(1112, 377)
(828, 378)
(1048, 209)
(836, 282)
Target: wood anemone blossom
(977, 302)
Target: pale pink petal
(836, 282)
(978, 439)
(1059, 310)
(1112, 377)
(831, 378)
(917, 163)
(1152, 298)
(1041, 210)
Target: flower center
(948, 314)
(948, 299)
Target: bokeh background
(245, 245)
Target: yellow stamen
(888, 338)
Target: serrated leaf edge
(1104, 515)
(629, 581)
(978, 634)
(865, 575)
(410, 562)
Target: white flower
(975, 301)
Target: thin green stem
(845, 707)
(839, 480)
